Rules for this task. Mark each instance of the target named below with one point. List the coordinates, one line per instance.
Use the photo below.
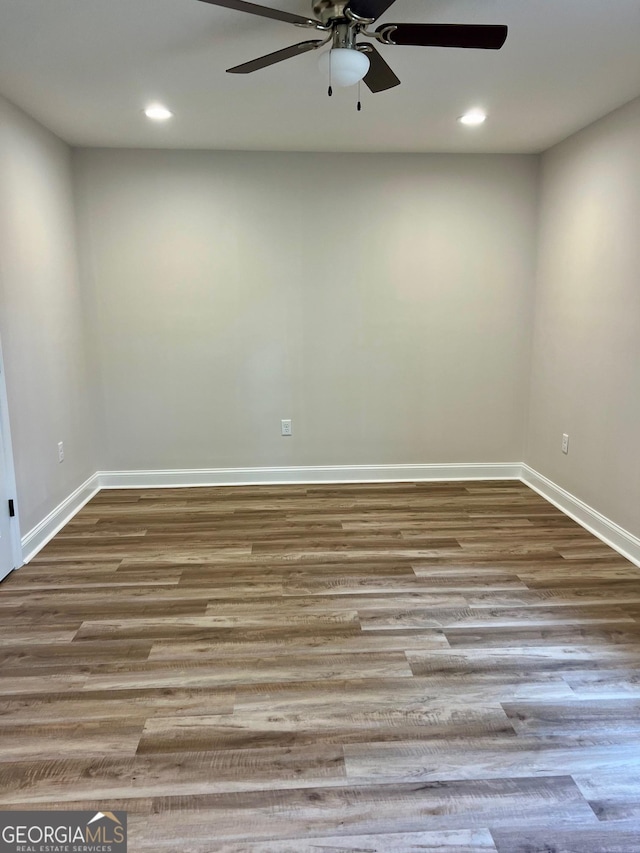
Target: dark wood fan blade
(379, 76)
(371, 9)
(278, 56)
(484, 36)
(263, 11)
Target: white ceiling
(86, 68)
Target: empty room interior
(320, 425)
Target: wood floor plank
(335, 643)
(184, 773)
(90, 705)
(617, 838)
(313, 583)
(390, 667)
(401, 696)
(46, 684)
(232, 671)
(582, 716)
(487, 758)
(531, 659)
(318, 723)
(446, 841)
(214, 626)
(498, 616)
(599, 783)
(63, 655)
(383, 809)
(598, 635)
(84, 738)
(623, 682)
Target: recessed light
(473, 118)
(157, 112)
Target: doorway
(10, 552)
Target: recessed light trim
(473, 118)
(156, 112)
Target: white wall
(586, 362)
(381, 302)
(41, 317)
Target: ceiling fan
(349, 60)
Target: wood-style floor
(391, 667)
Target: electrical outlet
(565, 443)
(60, 451)
(286, 426)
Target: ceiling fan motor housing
(329, 10)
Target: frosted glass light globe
(348, 65)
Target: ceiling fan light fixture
(157, 112)
(473, 118)
(345, 66)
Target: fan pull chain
(359, 101)
(330, 92)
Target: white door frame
(9, 469)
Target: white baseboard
(302, 475)
(38, 536)
(608, 531)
